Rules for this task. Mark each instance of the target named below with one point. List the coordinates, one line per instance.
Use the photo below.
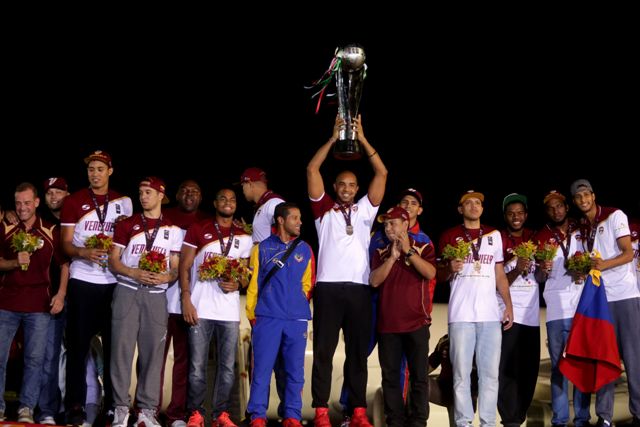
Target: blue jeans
(557, 334)
(226, 340)
(35, 339)
(49, 400)
(485, 340)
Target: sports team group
(81, 265)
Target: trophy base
(347, 149)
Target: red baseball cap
(253, 175)
(157, 184)
(99, 155)
(55, 182)
(393, 213)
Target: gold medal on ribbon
(476, 266)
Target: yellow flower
(459, 251)
(26, 242)
(525, 250)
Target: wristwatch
(410, 252)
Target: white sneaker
(178, 423)
(48, 420)
(25, 415)
(147, 418)
(2, 417)
(120, 416)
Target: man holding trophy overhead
(342, 297)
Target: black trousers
(391, 347)
(519, 363)
(346, 306)
(88, 314)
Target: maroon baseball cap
(253, 175)
(55, 182)
(411, 192)
(157, 184)
(99, 155)
(393, 213)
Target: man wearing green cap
(520, 355)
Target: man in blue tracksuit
(278, 308)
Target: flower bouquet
(99, 241)
(546, 251)
(26, 242)
(219, 267)
(153, 261)
(459, 251)
(525, 250)
(579, 264)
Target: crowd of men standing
(92, 267)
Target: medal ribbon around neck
(347, 217)
(102, 214)
(560, 240)
(591, 238)
(224, 250)
(475, 249)
(150, 238)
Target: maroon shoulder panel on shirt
(318, 208)
(80, 203)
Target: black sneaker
(76, 416)
(104, 418)
(603, 423)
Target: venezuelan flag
(591, 359)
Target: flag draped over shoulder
(591, 359)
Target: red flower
(153, 261)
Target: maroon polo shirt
(28, 291)
(405, 301)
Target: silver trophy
(349, 79)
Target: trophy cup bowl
(353, 57)
(349, 80)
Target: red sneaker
(258, 422)
(223, 420)
(291, 422)
(322, 418)
(359, 418)
(195, 420)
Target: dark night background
(536, 99)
